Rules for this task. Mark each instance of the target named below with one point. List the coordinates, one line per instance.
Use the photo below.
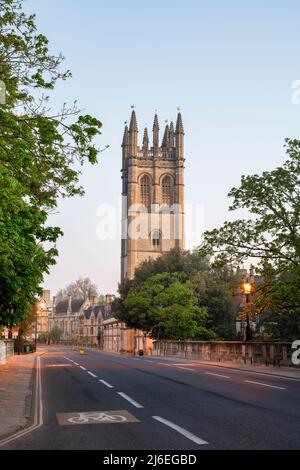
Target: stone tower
(153, 193)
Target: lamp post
(247, 290)
(38, 310)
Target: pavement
(103, 401)
(16, 388)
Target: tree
(271, 235)
(40, 149)
(80, 289)
(55, 334)
(214, 290)
(164, 307)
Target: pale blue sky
(228, 65)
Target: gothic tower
(153, 193)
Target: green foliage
(271, 235)
(193, 300)
(55, 334)
(40, 149)
(164, 307)
(43, 337)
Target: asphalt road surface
(101, 401)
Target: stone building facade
(152, 211)
(152, 193)
(82, 320)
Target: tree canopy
(41, 151)
(82, 288)
(271, 235)
(179, 296)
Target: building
(152, 194)
(152, 212)
(81, 320)
(65, 315)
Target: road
(152, 403)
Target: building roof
(62, 306)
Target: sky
(230, 67)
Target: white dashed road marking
(265, 385)
(83, 368)
(163, 364)
(133, 402)
(186, 368)
(217, 375)
(181, 430)
(93, 375)
(76, 363)
(106, 383)
(59, 365)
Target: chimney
(108, 299)
(69, 305)
(46, 296)
(53, 303)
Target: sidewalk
(16, 387)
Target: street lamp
(38, 310)
(247, 290)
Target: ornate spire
(133, 122)
(165, 141)
(125, 137)
(171, 135)
(155, 123)
(155, 135)
(179, 125)
(145, 139)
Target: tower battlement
(152, 175)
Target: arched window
(145, 191)
(156, 238)
(167, 190)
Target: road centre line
(186, 368)
(217, 375)
(106, 383)
(265, 385)
(83, 368)
(76, 363)
(131, 400)
(91, 373)
(164, 364)
(180, 430)
(185, 364)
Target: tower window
(156, 238)
(145, 191)
(167, 190)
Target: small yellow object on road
(81, 351)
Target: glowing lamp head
(247, 288)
